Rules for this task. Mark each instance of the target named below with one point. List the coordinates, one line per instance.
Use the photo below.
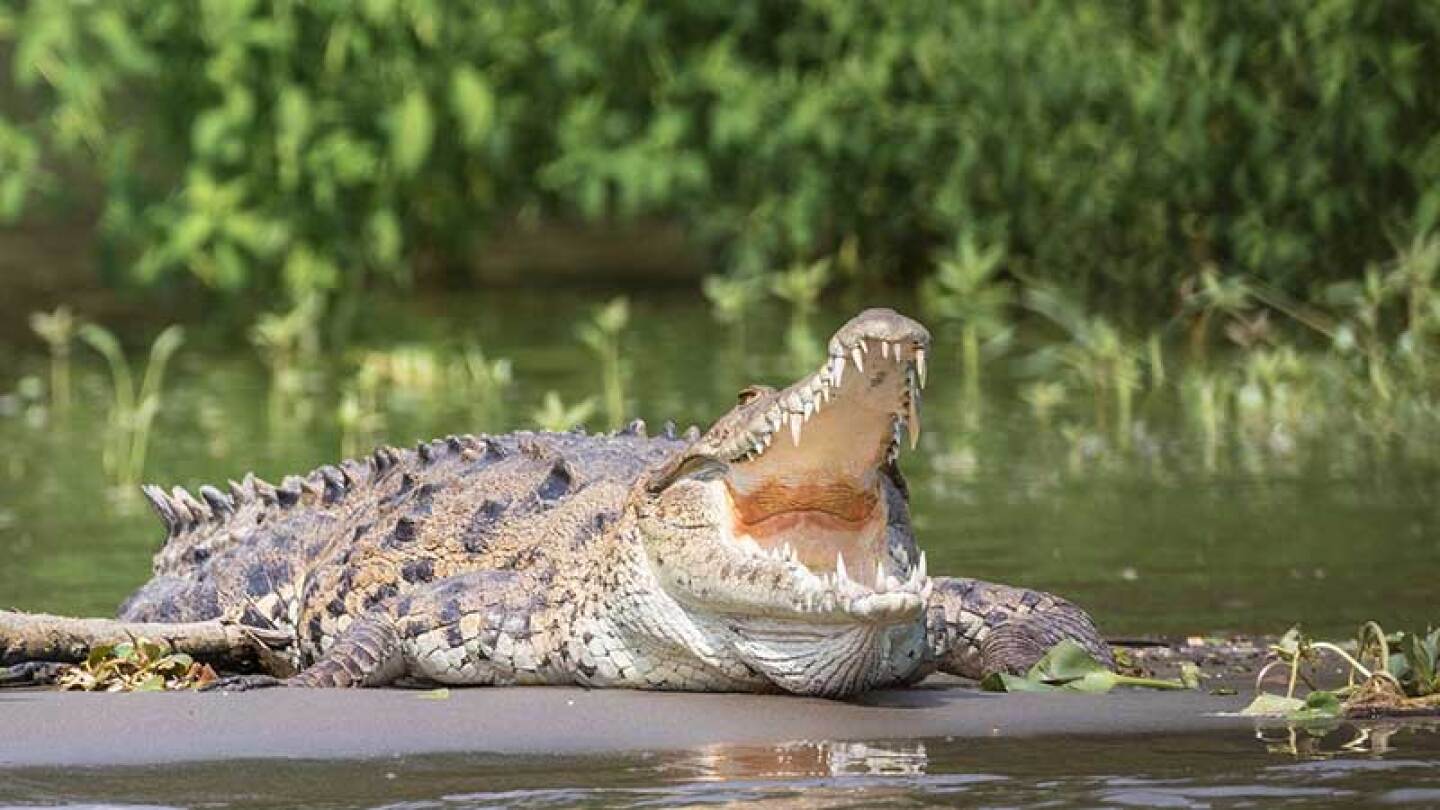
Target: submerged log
(26, 637)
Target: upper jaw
(871, 339)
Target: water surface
(1346, 767)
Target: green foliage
(555, 416)
(141, 665)
(1397, 676)
(1068, 667)
(57, 329)
(280, 147)
(965, 290)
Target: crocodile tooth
(927, 590)
(238, 492)
(864, 345)
(879, 576)
(837, 370)
(796, 423)
(921, 568)
(920, 365)
(912, 420)
(773, 420)
(858, 357)
(841, 575)
(885, 349)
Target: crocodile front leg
(472, 628)
(976, 628)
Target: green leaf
(1005, 682)
(1268, 705)
(154, 683)
(99, 653)
(412, 127)
(1319, 705)
(1066, 661)
(435, 694)
(125, 651)
(473, 103)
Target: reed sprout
(555, 416)
(965, 291)
(57, 329)
(601, 335)
(289, 343)
(132, 410)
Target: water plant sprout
(601, 334)
(132, 411)
(57, 329)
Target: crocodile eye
(750, 393)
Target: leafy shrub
(329, 145)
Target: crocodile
(773, 552)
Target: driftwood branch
(28, 637)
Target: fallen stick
(26, 637)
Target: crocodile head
(786, 524)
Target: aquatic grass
(359, 419)
(132, 411)
(1386, 674)
(601, 335)
(289, 344)
(482, 382)
(555, 416)
(732, 297)
(1208, 296)
(965, 291)
(1044, 397)
(801, 284)
(1097, 354)
(57, 328)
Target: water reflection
(1336, 739)
(803, 759)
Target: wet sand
(47, 728)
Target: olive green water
(1331, 532)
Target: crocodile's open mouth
(808, 486)
(804, 475)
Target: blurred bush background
(272, 150)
